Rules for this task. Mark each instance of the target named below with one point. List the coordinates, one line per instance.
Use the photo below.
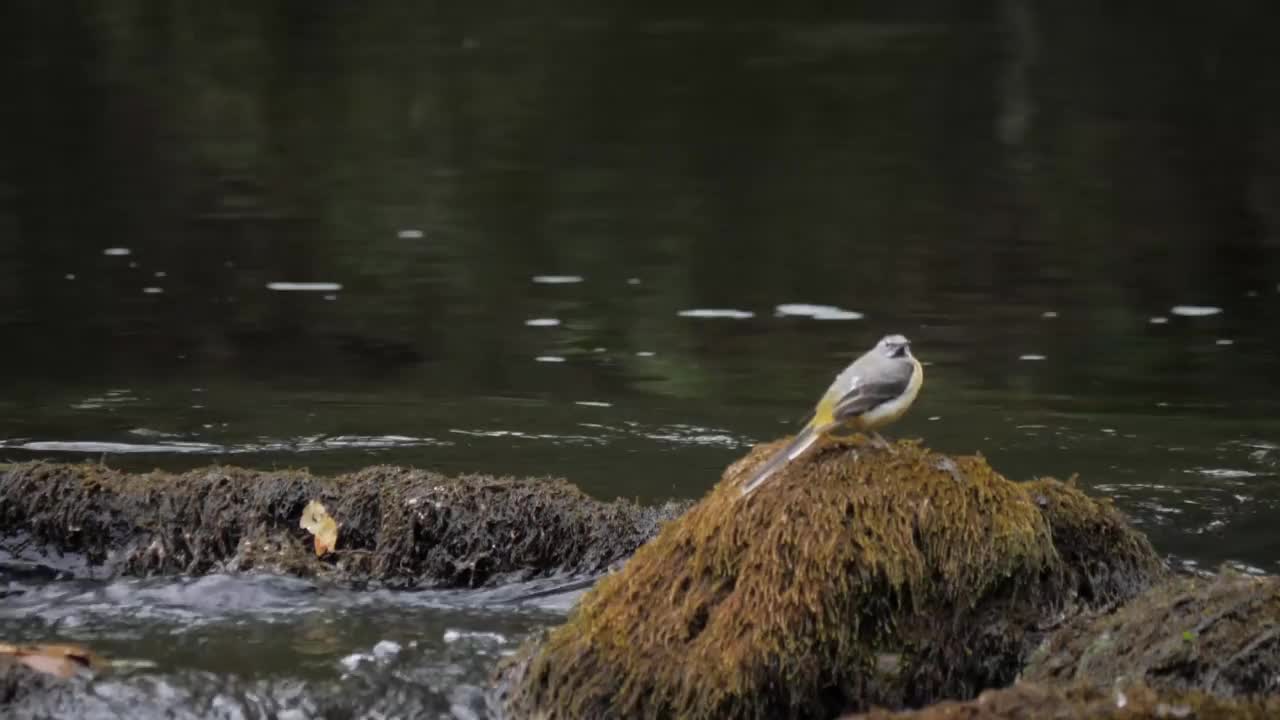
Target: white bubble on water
(1195, 310)
(717, 313)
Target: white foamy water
(117, 251)
(1032, 356)
(315, 443)
(717, 313)
(542, 322)
(1158, 320)
(557, 279)
(116, 448)
(817, 312)
(694, 435)
(553, 437)
(549, 359)
(1225, 473)
(382, 651)
(452, 636)
(304, 286)
(1195, 310)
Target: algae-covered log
(400, 526)
(848, 580)
(1219, 635)
(1026, 701)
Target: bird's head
(894, 346)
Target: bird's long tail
(806, 437)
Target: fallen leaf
(62, 661)
(317, 521)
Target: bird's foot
(878, 440)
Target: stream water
(618, 244)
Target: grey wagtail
(872, 392)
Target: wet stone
(398, 527)
(856, 577)
(1030, 701)
(1217, 635)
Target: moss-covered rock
(399, 526)
(1218, 635)
(1094, 541)
(1086, 702)
(854, 577)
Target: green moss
(844, 581)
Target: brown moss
(1085, 702)
(883, 578)
(398, 526)
(1107, 558)
(1219, 635)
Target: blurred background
(620, 242)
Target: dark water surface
(580, 241)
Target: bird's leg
(881, 443)
(845, 439)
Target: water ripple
(304, 444)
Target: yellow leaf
(63, 661)
(317, 521)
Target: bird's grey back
(884, 368)
(872, 364)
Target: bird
(873, 391)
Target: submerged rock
(1086, 702)
(1218, 635)
(849, 580)
(398, 526)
